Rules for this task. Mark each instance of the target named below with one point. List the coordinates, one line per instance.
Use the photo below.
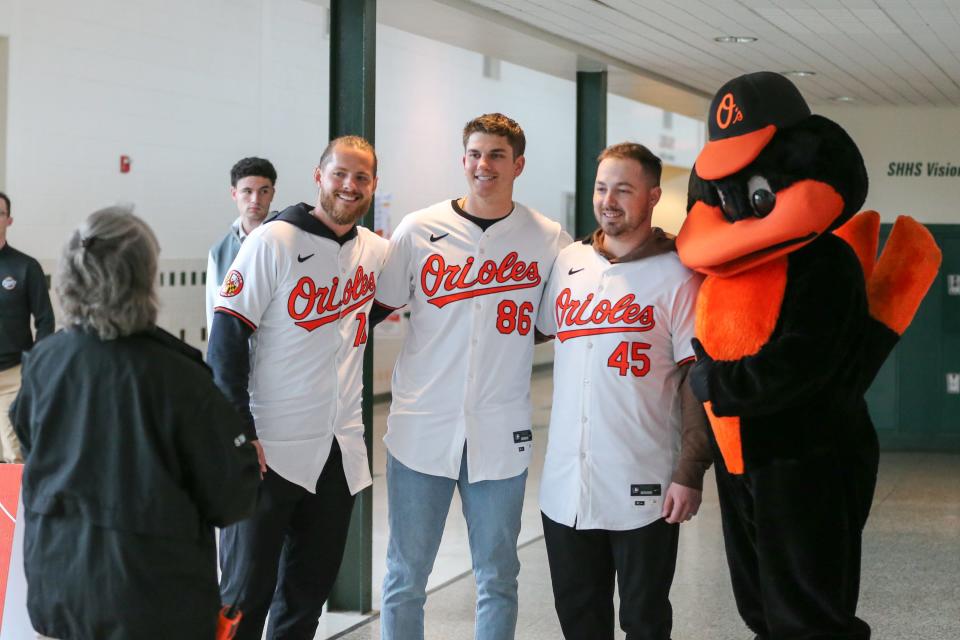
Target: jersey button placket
(586, 402)
(478, 316)
(472, 351)
(335, 383)
(477, 305)
(472, 357)
(477, 327)
(343, 258)
(340, 357)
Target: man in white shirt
(473, 271)
(628, 442)
(287, 348)
(252, 187)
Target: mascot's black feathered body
(794, 319)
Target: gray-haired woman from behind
(132, 454)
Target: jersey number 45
(629, 356)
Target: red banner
(10, 475)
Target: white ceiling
(663, 52)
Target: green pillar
(591, 140)
(353, 33)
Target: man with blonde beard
(292, 309)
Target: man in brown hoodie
(628, 442)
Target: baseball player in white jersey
(472, 271)
(628, 442)
(290, 327)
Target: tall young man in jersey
(473, 271)
(287, 348)
(628, 441)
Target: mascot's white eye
(762, 197)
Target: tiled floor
(911, 565)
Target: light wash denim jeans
(417, 510)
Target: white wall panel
(907, 135)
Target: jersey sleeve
(395, 284)
(249, 285)
(682, 318)
(212, 289)
(228, 354)
(546, 318)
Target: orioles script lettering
(307, 297)
(626, 313)
(460, 282)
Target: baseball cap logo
(744, 115)
(728, 112)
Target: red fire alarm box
(124, 164)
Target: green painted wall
(909, 401)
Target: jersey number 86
(511, 317)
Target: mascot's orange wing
(862, 232)
(898, 281)
(903, 275)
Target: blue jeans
(417, 511)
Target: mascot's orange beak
(711, 244)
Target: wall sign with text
(921, 169)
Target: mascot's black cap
(744, 116)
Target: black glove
(700, 374)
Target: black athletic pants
(584, 565)
(286, 556)
(792, 532)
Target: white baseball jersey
(622, 330)
(307, 299)
(463, 374)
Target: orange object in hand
(227, 622)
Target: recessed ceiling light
(735, 39)
(843, 99)
(800, 74)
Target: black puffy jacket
(132, 457)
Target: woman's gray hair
(106, 274)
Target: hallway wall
(904, 150)
(186, 89)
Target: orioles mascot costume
(794, 319)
